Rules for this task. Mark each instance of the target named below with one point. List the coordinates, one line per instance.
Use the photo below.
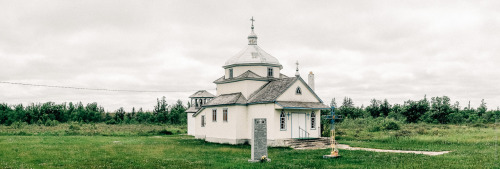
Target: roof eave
(253, 64)
(242, 79)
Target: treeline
(50, 114)
(436, 110)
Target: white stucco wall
(240, 119)
(260, 70)
(287, 133)
(261, 111)
(290, 94)
(191, 124)
(246, 87)
(220, 131)
(274, 132)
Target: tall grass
(92, 129)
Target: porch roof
(301, 105)
(192, 109)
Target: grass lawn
(473, 147)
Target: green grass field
(135, 146)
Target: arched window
(282, 121)
(313, 121)
(298, 91)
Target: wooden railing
(303, 133)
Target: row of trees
(437, 110)
(50, 113)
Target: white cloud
(398, 50)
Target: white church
(253, 87)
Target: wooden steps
(313, 143)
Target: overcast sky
(398, 50)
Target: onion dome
(252, 55)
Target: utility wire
(96, 89)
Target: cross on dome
(252, 21)
(252, 54)
(297, 70)
(252, 38)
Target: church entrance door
(299, 128)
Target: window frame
(298, 91)
(313, 120)
(282, 121)
(203, 123)
(231, 73)
(214, 115)
(224, 114)
(270, 72)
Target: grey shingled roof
(202, 93)
(271, 90)
(192, 109)
(302, 105)
(225, 99)
(247, 75)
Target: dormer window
(230, 73)
(269, 72)
(298, 91)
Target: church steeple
(252, 38)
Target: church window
(202, 121)
(282, 121)
(298, 91)
(230, 73)
(313, 121)
(270, 72)
(214, 115)
(224, 114)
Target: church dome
(252, 55)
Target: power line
(95, 89)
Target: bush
(374, 129)
(51, 123)
(481, 125)
(74, 127)
(112, 121)
(164, 132)
(391, 125)
(421, 131)
(402, 133)
(18, 125)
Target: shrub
(402, 133)
(18, 125)
(74, 127)
(391, 125)
(481, 125)
(164, 132)
(51, 123)
(111, 121)
(421, 131)
(374, 129)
